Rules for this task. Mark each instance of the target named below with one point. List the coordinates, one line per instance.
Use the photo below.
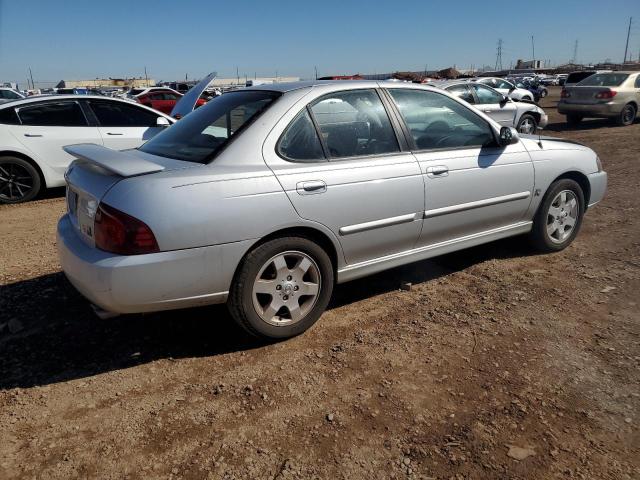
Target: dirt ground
(497, 364)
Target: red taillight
(606, 94)
(564, 93)
(117, 232)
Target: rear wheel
(574, 120)
(527, 124)
(559, 216)
(281, 288)
(627, 115)
(19, 180)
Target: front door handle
(310, 187)
(32, 135)
(437, 171)
(114, 133)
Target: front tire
(527, 124)
(559, 216)
(281, 288)
(19, 180)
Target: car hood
(552, 143)
(187, 103)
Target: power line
(499, 56)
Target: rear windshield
(604, 80)
(199, 136)
(576, 77)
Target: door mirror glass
(508, 136)
(162, 122)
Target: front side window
(437, 121)
(354, 123)
(487, 95)
(119, 114)
(8, 117)
(462, 92)
(300, 141)
(60, 114)
(199, 136)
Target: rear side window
(354, 123)
(199, 136)
(576, 77)
(117, 114)
(300, 140)
(8, 116)
(437, 121)
(60, 114)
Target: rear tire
(19, 180)
(559, 216)
(627, 115)
(281, 288)
(574, 120)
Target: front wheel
(559, 216)
(527, 124)
(281, 288)
(19, 180)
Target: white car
(136, 92)
(506, 88)
(9, 94)
(34, 130)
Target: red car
(163, 100)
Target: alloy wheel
(286, 288)
(16, 182)
(527, 126)
(562, 216)
(628, 115)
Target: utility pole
(499, 56)
(33, 85)
(146, 78)
(237, 76)
(533, 50)
(574, 59)
(316, 70)
(626, 48)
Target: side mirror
(508, 136)
(162, 122)
(504, 100)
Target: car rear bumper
(598, 184)
(152, 282)
(604, 110)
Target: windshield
(199, 136)
(604, 80)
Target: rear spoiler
(121, 163)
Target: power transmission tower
(574, 59)
(499, 56)
(626, 48)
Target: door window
(462, 92)
(118, 114)
(9, 95)
(300, 140)
(486, 95)
(354, 123)
(437, 121)
(59, 114)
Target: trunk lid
(96, 170)
(585, 95)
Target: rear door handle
(437, 171)
(114, 133)
(31, 135)
(310, 187)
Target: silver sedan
(267, 197)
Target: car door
(495, 105)
(472, 186)
(45, 127)
(123, 125)
(339, 160)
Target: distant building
(108, 83)
(533, 64)
(242, 81)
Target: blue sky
(85, 39)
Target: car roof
(290, 86)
